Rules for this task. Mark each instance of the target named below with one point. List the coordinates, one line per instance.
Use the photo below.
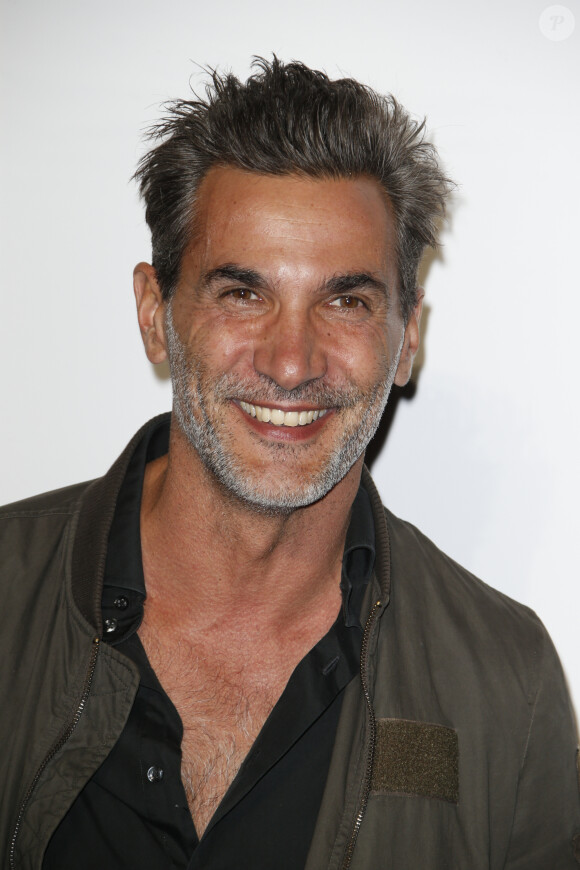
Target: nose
(290, 350)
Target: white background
(484, 456)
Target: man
(225, 653)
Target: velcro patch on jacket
(416, 758)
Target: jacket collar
(382, 543)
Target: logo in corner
(557, 23)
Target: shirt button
(122, 602)
(155, 774)
(110, 625)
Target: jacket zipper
(57, 746)
(372, 730)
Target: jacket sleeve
(546, 825)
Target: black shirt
(133, 813)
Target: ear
(410, 342)
(150, 312)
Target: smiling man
(234, 657)
(284, 335)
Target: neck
(206, 545)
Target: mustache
(261, 388)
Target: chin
(286, 495)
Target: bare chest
(223, 701)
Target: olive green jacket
(455, 749)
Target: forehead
(293, 221)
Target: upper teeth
(282, 418)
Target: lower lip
(285, 433)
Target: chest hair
(223, 702)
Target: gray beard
(190, 407)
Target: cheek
(364, 359)
(220, 342)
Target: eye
(349, 303)
(244, 294)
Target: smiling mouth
(279, 417)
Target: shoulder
(439, 597)
(421, 561)
(451, 610)
(36, 533)
(57, 501)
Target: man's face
(284, 332)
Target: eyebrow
(231, 272)
(350, 282)
(250, 278)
